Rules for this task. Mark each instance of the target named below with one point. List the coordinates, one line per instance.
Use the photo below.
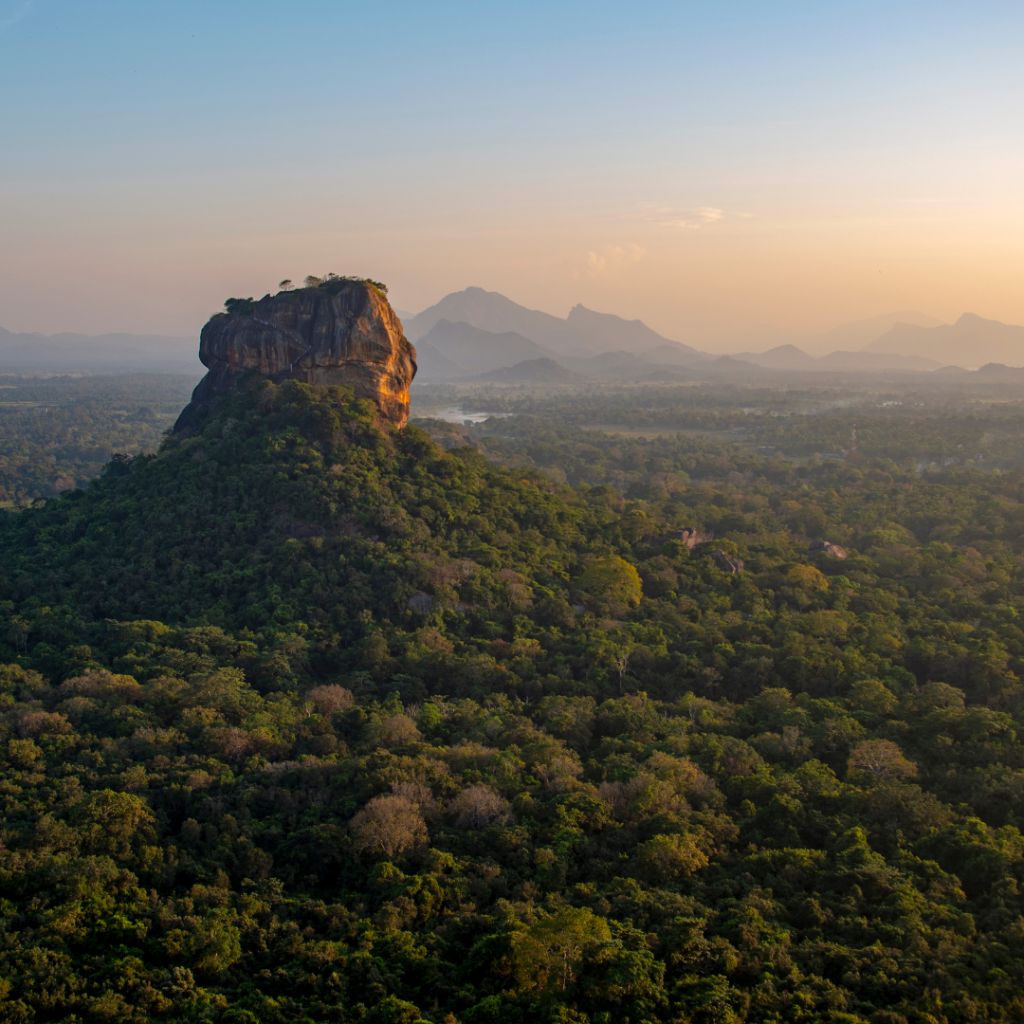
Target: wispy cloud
(694, 217)
(613, 258)
(20, 11)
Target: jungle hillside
(693, 704)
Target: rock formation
(827, 548)
(342, 332)
(690, 536)
(727, 563)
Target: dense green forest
(913, 422)
(307, 720)
(57, 433)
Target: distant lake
(453, 415)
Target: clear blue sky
(703, 166)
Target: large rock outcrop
(343, 332)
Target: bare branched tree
(329, 699)
(880, 759)
(478, 807)
(388, 826)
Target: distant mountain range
(460, 351)
(476, 332)
(789, 357)
(105, 353)
(534, 371)
(466, 351)
(582, 333)
(851, 337)
(971, 341)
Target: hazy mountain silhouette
(766, 337)
(630, 345)
(846, 337)
(433, 366)
(625, 366)
(859, 334)
(474, 350)
(789, 357)
(105, 353)
(533, 371)
(1000, 371)
(782, 357)
(582, 333)
(971, 341)
(606, 332)
(675, 354)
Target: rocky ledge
(342, 332)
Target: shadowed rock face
(726, 562)
(340, 333)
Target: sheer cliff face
(345, 333)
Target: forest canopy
(310, 720)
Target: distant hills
(859, 334)
(625, 366)
(105, 353)
(789, 357)
(476, 332)
(460, 351)
(1001, 372)
(971, 341)
(534, 371)
(782, 357)
(582, 333)
(605, 332)
(850, 337)
(901, 341)
(468, 350)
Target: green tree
(612, 579)
(549, 954)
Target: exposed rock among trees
(341, 332)
(727, 563)
(827, 548)
(688, 535)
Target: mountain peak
(579, 311)
(788, 350)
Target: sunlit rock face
(344, 332)
(827, 548)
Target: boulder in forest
(827, 548)
(727, 563)
(689, 536)
(341, 332)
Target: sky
(706, 167)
